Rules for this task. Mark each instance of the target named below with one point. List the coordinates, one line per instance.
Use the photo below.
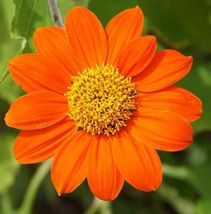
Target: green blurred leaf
(109, 8)
(180, 22)
(177, 172)
(199, 161)
(197, 155)
(9, 91)
(66, 5)
(205, 74)
(8, 47)
(3, 22)
(32, 14)
(200, 179)
(180, 204)
(203, 206)
(162, 20)
(8, 166)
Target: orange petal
(86, 37)
(69, 165)
(124, 27)
(138, 164)
(52, 42)
(37, 110)
(173, 99)
(166, 68)
(103, 177)
(136, 56)
(39, 145)
(161, 130)
(35, 72)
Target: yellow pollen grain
(101, 100)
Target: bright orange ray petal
(86, 37)
(163, 130)
(39, 145)
(138, 164)
(103, 177)
(52, 42)
(35, 72)
(37, 110)
(69, 165)
(136, 56)
(124, 27)
(173, 99)
(166, 68)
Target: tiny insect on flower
(100, 102)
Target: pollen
(101, 100)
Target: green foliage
(204, 206)
(180, 22)
(8, 166)
(109, 8)
(29, 15)
(8, 46)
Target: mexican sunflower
(100, 102)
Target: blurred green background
(184, 25)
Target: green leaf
(203, 206)
(178, 172)
(66, 5)
(109, 8)
(200, 179)
(29, 15)
(180, 204)
(180, 22)
(8, 47)
(32, 14)
(9, 91)
(8, 166)
(205, 74)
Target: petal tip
(7, 119)
(138, 9)
(190, 59)
(57, 187)
(152, 38)
(77, 9)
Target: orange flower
(101, 102)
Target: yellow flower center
(101, 100)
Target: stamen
(101, 100)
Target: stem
(97, 205)
(32, 189)
(55, 13)
(4, 74)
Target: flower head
(101, 102)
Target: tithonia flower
(101, 102)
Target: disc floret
(101, 100)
